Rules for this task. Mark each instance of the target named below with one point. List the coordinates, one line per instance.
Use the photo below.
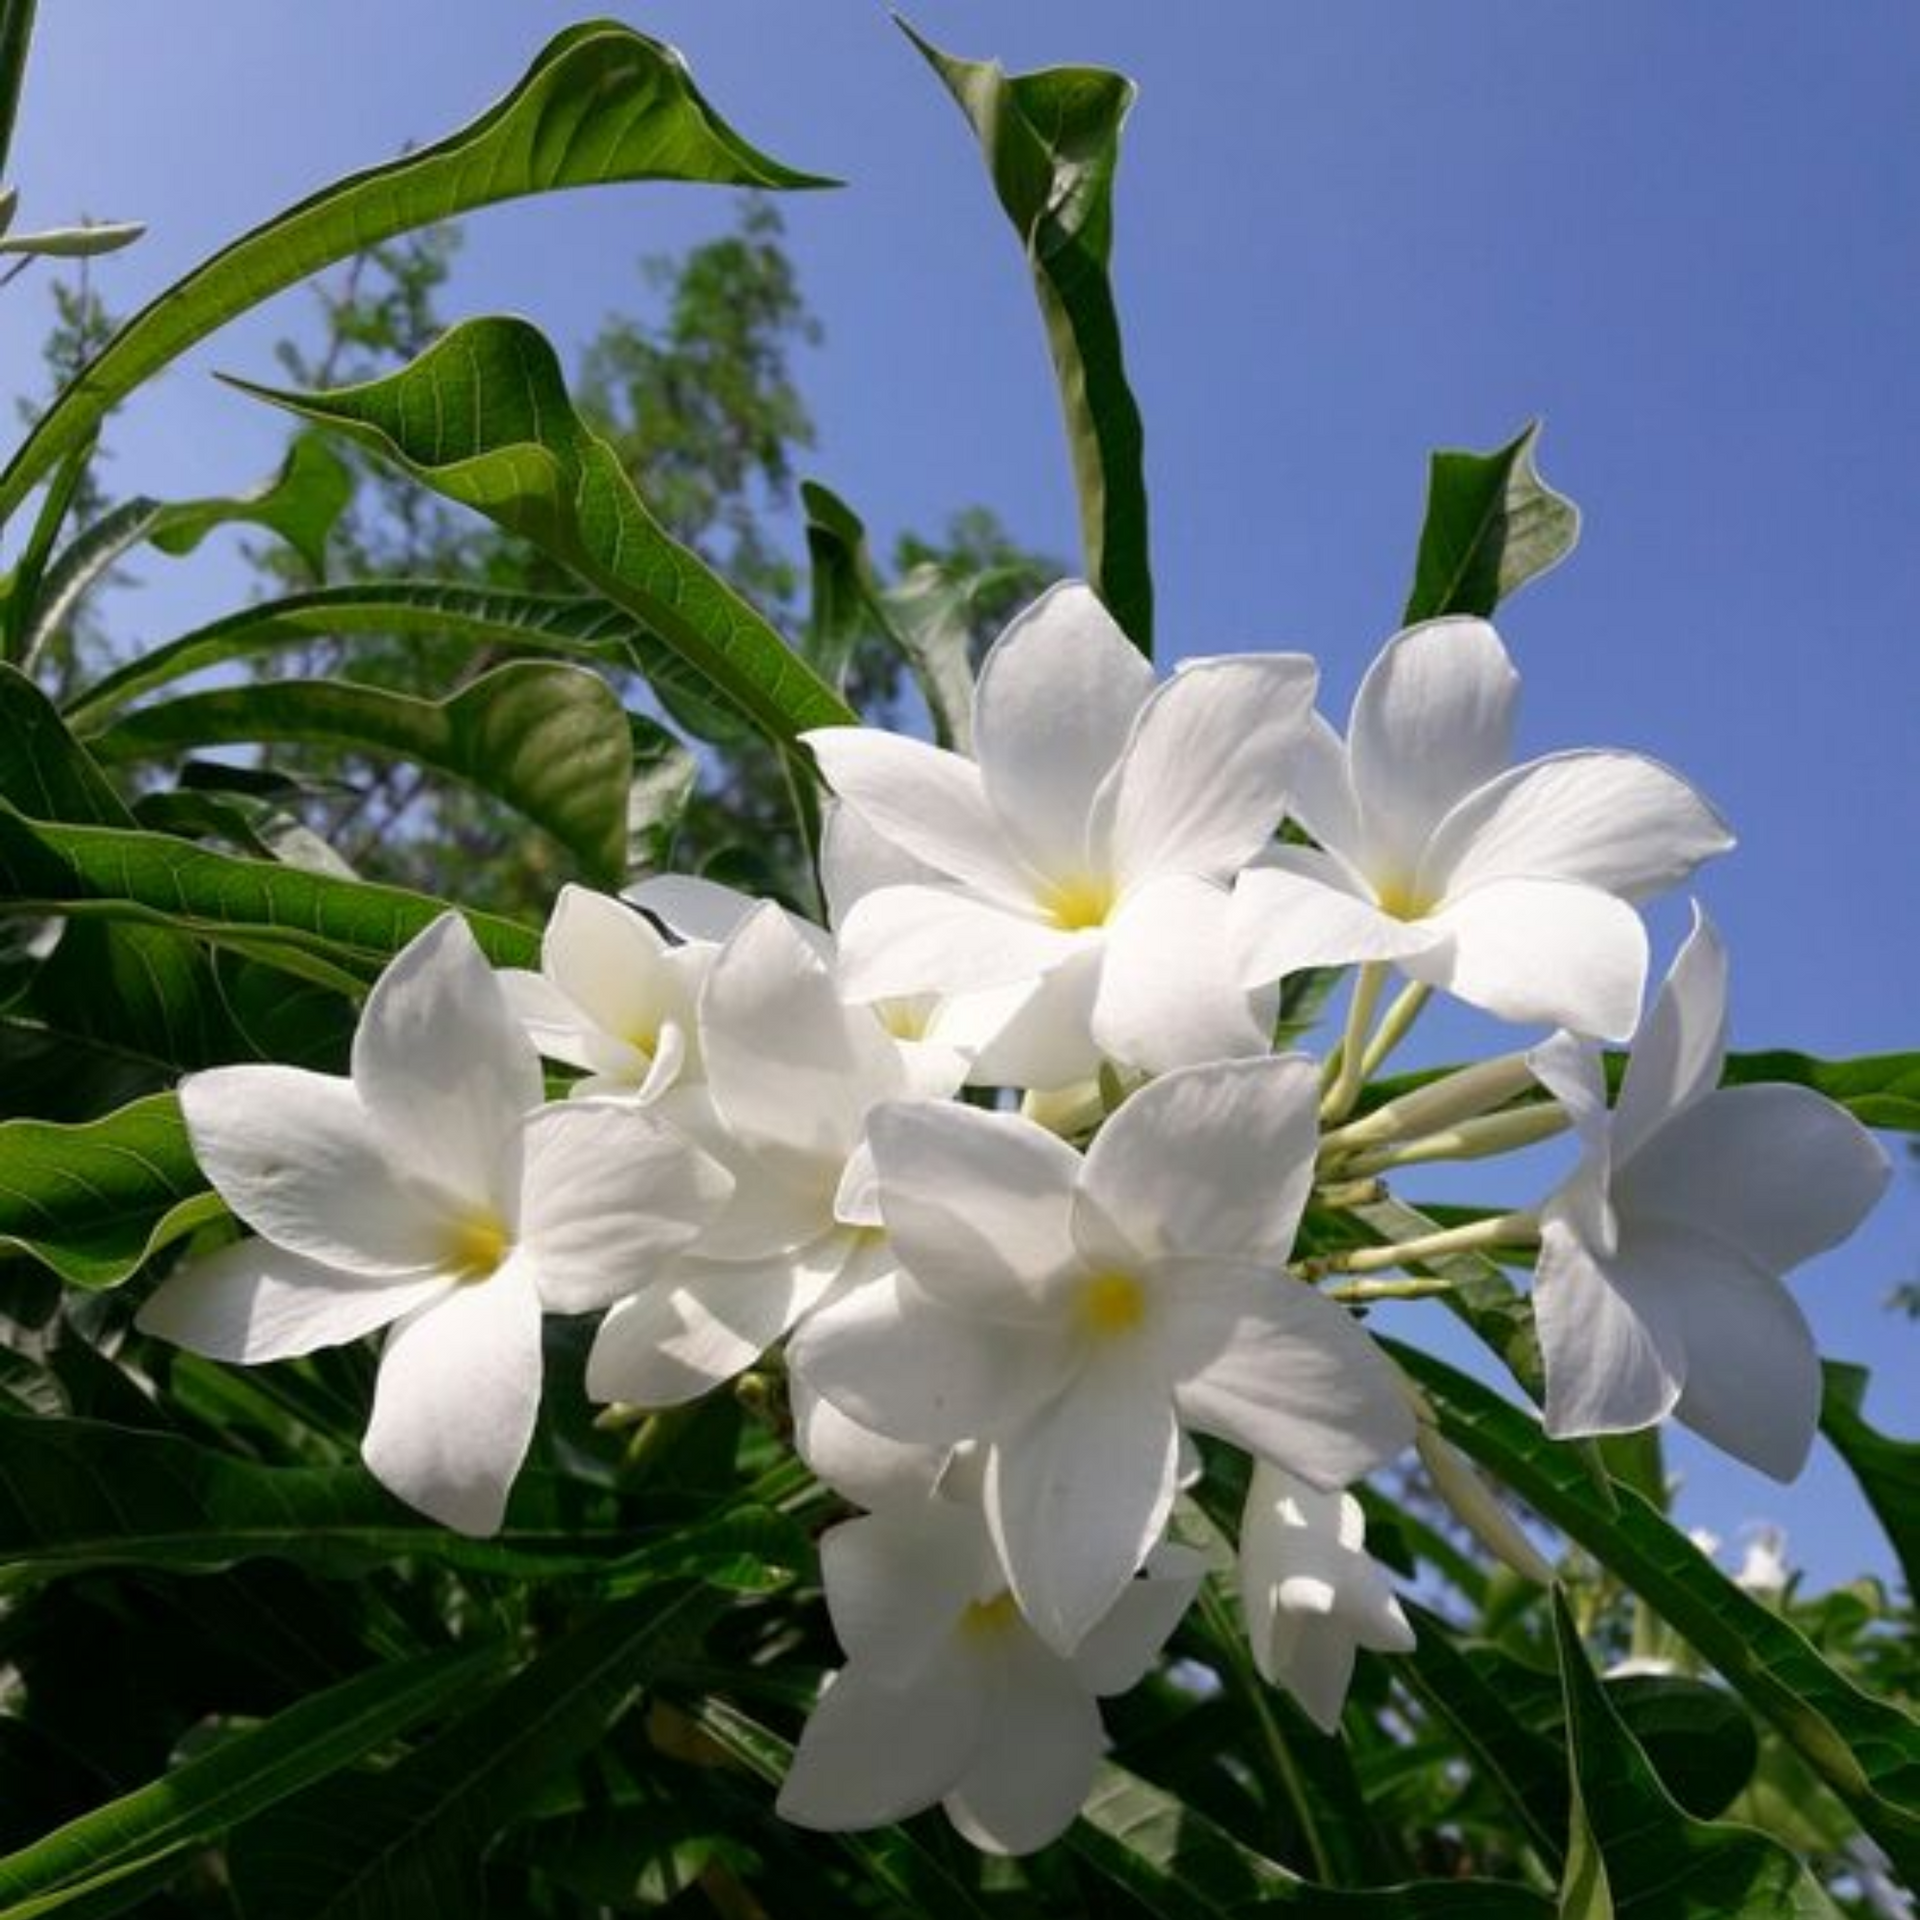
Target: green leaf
(16, 35)
(92, 1858)
(272, 912)
(1866, 1750)
(549, 740)
(44, 771)
(1492, 525)
(600, 103)
(1888, 1470)
(1179, 1866)
(92, 1201)
(893, 1858)
(23, 588)
(409, 1841)
(1633, 1853)
(1700, 1739)
(484, 417)
(1051, 141)
(1878, 1089)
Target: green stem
(1503, 1230)
(1440, 1103)
(1361, 1292)
(1394, 1026)
(1351, 1076)
(1470, 1140)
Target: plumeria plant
(874, 1402)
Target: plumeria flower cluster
(1008, 1166)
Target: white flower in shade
(1075, 1314)
(1084, 853)
(613, 996)
(792, 1072)
(948, 1695)
(1311, 1593)
(1510, 887)
(1764, 1569)
(430, 1191)
(1659, 1286)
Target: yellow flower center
(645, 1041)
(988, 1619)
(1402, 900)
(1083, 901)
(477, 1245)
(906, 1018)
(1110, 1304)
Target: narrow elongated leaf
(44, 771)
(1179, 1866)
(410, 1840)
(549, 740)
(1638, 1856)
(272, 912)
(93, 1201)
(1492, 525)
(1051, 141)
(571, 627)
(484, 417)
(1878, 1089)
(1866, 1750)
(600, 103)
(93, 1859)
(22, 589)
(1888, 1469)
(16, 35)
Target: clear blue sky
(1349, 231)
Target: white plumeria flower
(948, 1695)
(1085, 850)
(1764, 1570)
(432, 1191)
(1510, 887)
(1075, 1313)
(1311, 1593)
(792, 1072)
(1659, 1285)
(613, 996)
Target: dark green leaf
(93, 1201)
(1866, 1750)
(409, 1841)
(1051, 141)
(1634, 1854)
(1878, 1089)
(274, 912)
(549, 740)
(1492, 525)
(44, 771)
(1888, 1470)
(484, 417)
(23, 590)
(600, 103)
(16, 35)
(1698, 1736)
(1180, 1866)
(93, 1858)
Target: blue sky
(1348, 232)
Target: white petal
(254, 1301)
(1299, 909)
(857, 859)
(456, 1399)
(444, 1068)
(1056, 700)
(1611, 1338)
(695, 909)
(615, 966)
(1320, 794)
(791, 1067)
(894, 1359)
(1682, 1042)
(1039, 1747)
(295, 1155)
(1077, 1496)
(1044, 1035)
(1543, 951)
(1778, 1172)
(1753, 1374)
(898, 1583)
(1203, 783)
(857, 1463)
(929, 802)
(1433, 720)
(608, 1191)
(907, 940)
(704, 1321)
(1169, 995)
(1122, 1645)
(979, 1205)
(1212, 1159)
(1264, 1361)
(1617, 821)
(871, 1754)
(1572, 1071)
(553, 1023)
